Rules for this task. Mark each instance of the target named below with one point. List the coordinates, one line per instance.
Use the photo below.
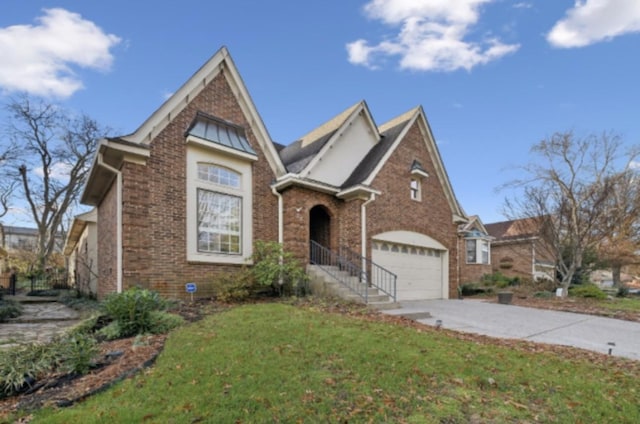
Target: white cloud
(432, 36)
(38, 59)
(592, 21)
(523, 5)
(57, 171)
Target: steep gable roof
(299, 155)
(396, 129)
(474, 224)
(220, 62)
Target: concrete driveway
(536, 325)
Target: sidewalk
(536, 325)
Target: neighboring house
(20, 238)
(475, 245)
(24, 239)
(81, 250)
(518, 251)
(184, 197)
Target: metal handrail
(353, 271)
(376, 275)
(342, 270)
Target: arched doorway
(320, 226)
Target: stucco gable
(332, 151)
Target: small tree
(274, 267)
(568, 190)
(50, 163)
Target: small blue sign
(190, 287)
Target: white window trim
(195, 155)
(417, 190)
(479, 244)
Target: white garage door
(419, 269)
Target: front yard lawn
(282, 363)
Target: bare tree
(620, 229)
(7, 187)
(51, 164)
(568, 190)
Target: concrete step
(324, 284)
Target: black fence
(57, 281)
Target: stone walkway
(41, 320)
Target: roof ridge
(398, 119)
(328, 126)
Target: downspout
(280, 215)
(280, 228)
(118, 220)
(363, 242)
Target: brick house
(475, 243)
(517, 250)
(183, 198)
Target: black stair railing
(353, 271)
(375, 275)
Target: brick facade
(514, 259)
(154, 203)
(395, 210)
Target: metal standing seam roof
(220, 132)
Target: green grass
(629, 304)
(280, 363)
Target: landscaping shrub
(544, 294)
(132, 310)
(163, 322)
(76, 352)
(623, 291)
(275, 268)
(588, 291)
(472, 289)
(234, 287)
(9, 309)
(22, 365)
(498, 280)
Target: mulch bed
(577, 305)
(119, 359)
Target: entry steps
(331, 281)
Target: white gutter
(363, 223)
(280, 228)
(118, 220)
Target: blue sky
(493, 76)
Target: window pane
(485, 252)
(218, 175)
(471, 251)
(219, 222)
(415, 189)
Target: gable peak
(330, 125)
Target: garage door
(419, 269)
